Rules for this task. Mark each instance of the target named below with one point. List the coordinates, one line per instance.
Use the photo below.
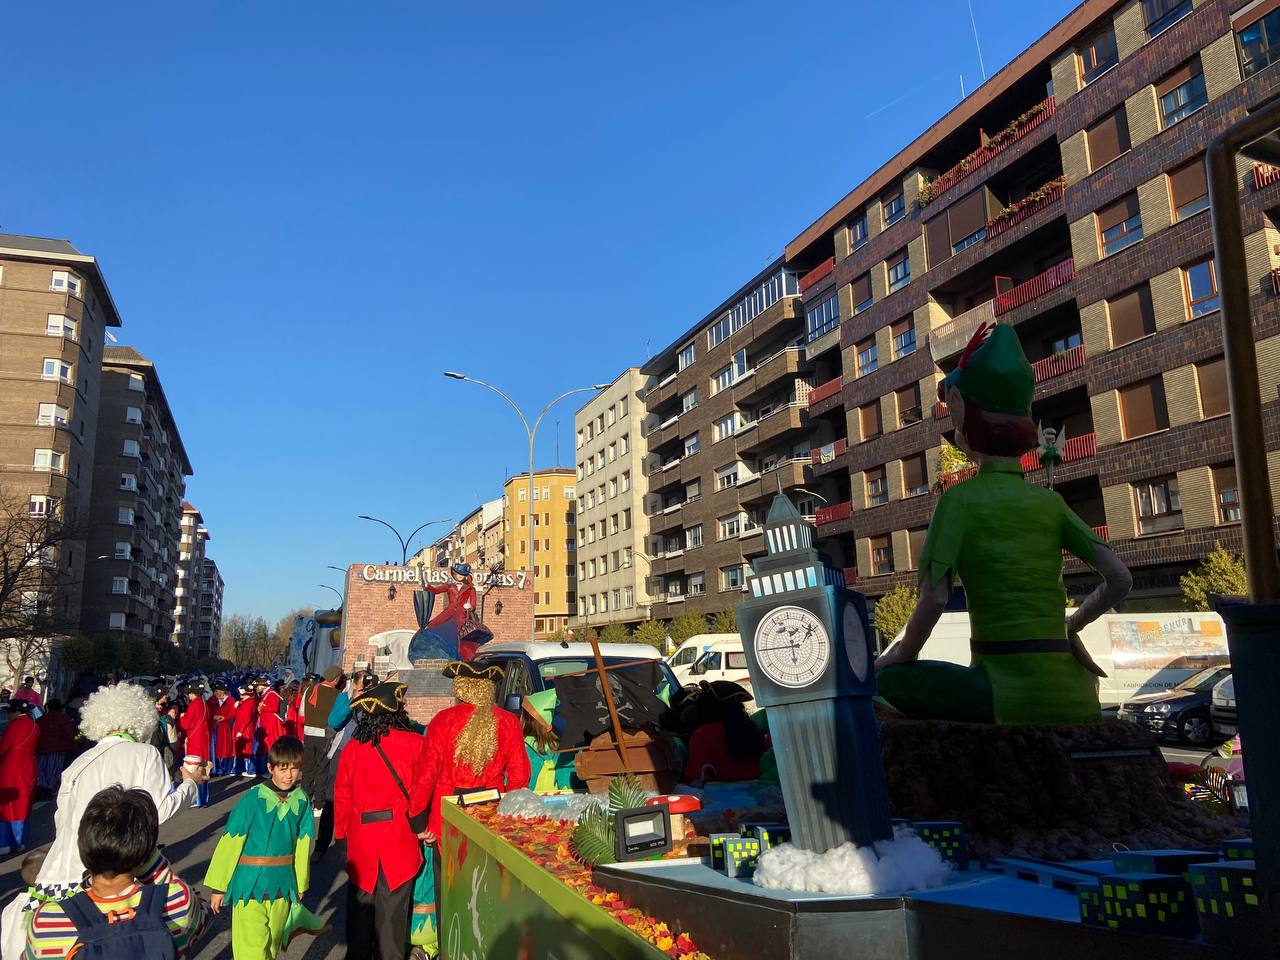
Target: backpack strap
(83, 913)
(154, 898)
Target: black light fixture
(497, 608)
(391, 592)
(641, 832)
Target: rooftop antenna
(973, 21)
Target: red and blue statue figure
(456, 631)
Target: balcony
(785, 474)
(769, 370)
(1058, 364)
(850, 576)
(1263, 176)
(994, 146)
(834, 513)
(778, 422)
(1026, 208)
(1075, 448)
(950, 338)
(661, 392)
(828, 452)
(1037, 286)
(829, 389)
(941, 410)
(817, 274)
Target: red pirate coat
(246, 726)
(195, 725)
(508, 769)
(18, 767)
(271, 719)
(224, 721)
(369, 810)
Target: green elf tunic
(262, 863)
(1004, 538)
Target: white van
(681, 662)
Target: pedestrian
(293, 721)
(195, 725)
(222, 711)
(380, 808)
(113, 915)
(18, 746)
(57, 739)
(271, 717)
(245, 730)
(29, 693)
(261, 865)
(316, 707)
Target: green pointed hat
(993, 373)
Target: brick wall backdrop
(369, 610)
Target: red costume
(195, 726)
(293, 718)
(271, 719)
(709, 746)
(223, 713)
(246, 725)
(57, 733)
(365, 788)
(18, 767)
(508, 769)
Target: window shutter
(1142, 408)
(1178, 77)
(1108, 138)
(937, 242)
(900, 327)
(908, 403)
(916, 538)
(1118, 212)
(913, 472)
(968, 215)
(1212, 378)
(1187, 183)
(870, 420)
(861, 289)
(1131, 315)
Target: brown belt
(990, 647)
(282, 861)
(424, 908)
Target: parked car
(1181, 713)
(1223, 709)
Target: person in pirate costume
(380, 799)
(1004, 539)
(317, 704)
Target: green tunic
(1004, 538)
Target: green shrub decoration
(593, 837)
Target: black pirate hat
(726, 691)
(469, 670)
(386, 697)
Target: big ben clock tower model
(809, 653)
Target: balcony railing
(1264, 175)
(828, 452)
(1037, 286)
(1051, 194)
(1275, 281)
(940, 410)
(1059, 363)
(1075, 448)
(952, 337)
(838, 511)
(817, 274)
(824, 390)
(850, 576)
(997, 145)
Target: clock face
(855, 642)
(792, 647)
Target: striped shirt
(52, 935)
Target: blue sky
(306, 211)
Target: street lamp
(341, 598)
(532, 431)
(404, 541)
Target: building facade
(209, 629)
(613, 559)
(548, 555)
(729, 424)
(190, 573)
(139, 478)
(1083, 223)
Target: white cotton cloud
(904, 863)
(526, 804)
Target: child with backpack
(262, 863)
(113, 916)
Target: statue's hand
(894, 654)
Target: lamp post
(404, 541)
(532, 432)
(341, 599)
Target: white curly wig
(124, 708)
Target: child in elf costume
(1004, 539)
(262, 863)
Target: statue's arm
(1117, 581)
(932, 602)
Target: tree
(893, 610)
(651, 632)
(687, 625)
(283, 632)
(952, 458)
(615, 633)
(726, 621)
(1220, 572)
(249, 642)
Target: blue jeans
(12, 833)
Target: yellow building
(552, 566)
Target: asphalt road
(189, 839)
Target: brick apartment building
(139, 478)
(1066, 197)
(191, 557)
(209, 629)
(613, 559)
(729, 423)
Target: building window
(613, 483)
(866, 356)
(49, 461)
(1160, 15)
(64, 282)
(611, 416)
(1131, 316)
(1107, 139)
(858, 232)
(1119, 225)
(1068, 341)
(1211, 379)
(626, 480)
(726, 426)
(137, 383)
(125, 550)
(1200, 285)
(899, 270)
(1258, 37)
(1159, 510)
(691, 445)
(1188, 191)
(1181, 93)
(55, 369)
(904, 337)
(727, 477)
(728, 528)
(1228, 493)
(59, 326)
(119, 584)
(51, 414)
(915, 475)
(115, 621)
(869, 420)
(881, 555)
(908, 401)
(860, 291)
(697, 584)
(624, 444)
(823, 317)
(40, 506)
(893, 206)
(877, 486)
(128, 481)
(731, 577)
(688, 400)
(1142, 408)
(124, 516)
(520, 494)
(132, 415)
(626, 519)
(628, 597)
(130, 448)
(1097, 55)
(686, 357)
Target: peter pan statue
(1004, 539)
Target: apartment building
(1066, 197)
(613, 557)
(139, 478)
(728, 424)
(190, 572)
(547, 551)
(209, 629)
(465, 542)
(55, 309)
